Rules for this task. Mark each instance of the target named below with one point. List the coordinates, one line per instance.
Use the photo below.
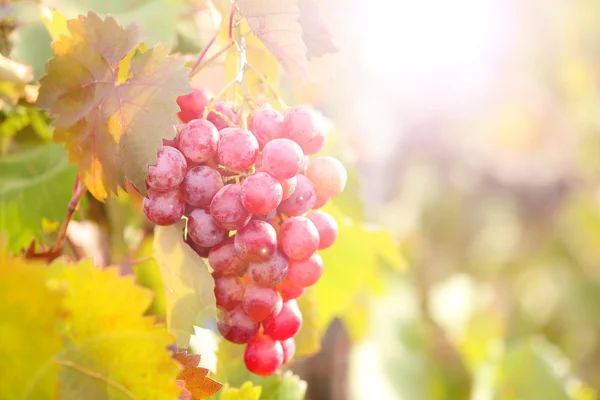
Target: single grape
(270, 272)
(256, 241)
(320, 201)
(298, 238)
(260, 302)
(266, 124)
(327, 227)
(227, 110)
(305, 273)
(289, 349)
(288, 187)
(163, 208)
(192, 105)
(263, 356)
(200, 186)
(288, 290)
(328, 175)
(229, 291)
(285, 324)
(201, 251)
(225, 260)
(301, 125)
(302, 200)
(227, 208)
(266, 217)
(198, 140)
(315, 145)
(237, 149)
(282, 158)
(236, 326)
(203, 229)
(169, 170)
(261, 193)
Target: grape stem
(214, 57)
(203, 53)
(266, 82)
(214, 101)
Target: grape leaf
(195, 378)
(246, 392)
(286, 386)
(316, 36)
(112, 129)
(189, 286)
(111, 350)
(36, 184)
(29, 334)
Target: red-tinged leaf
(196, 384)
(111, 127)
(316, 36)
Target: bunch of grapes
(251, 198)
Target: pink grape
(302, 200)
(288, 290)
(320, 201)
(203, 229)
(266, 217)
(270, 272)
(225, 260)
(266, 124)
(169, 170)
(237, 149)
(163, 208)
(236, 326)
(282, 158)
(289, 349)
(301, 126)
(263, 355)
(260, 302)
(285, 324)
(256, 241)
(227, 110)
(298, 238)
(192, 105)
(229, 291)
(315, 145)
(305, 273)
(261, 193)
(198, 140)
(201, 251)
(288, 187)
(328, 175)
(200, 185)
(327, 227)
(227, 208)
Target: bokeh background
(468, 265)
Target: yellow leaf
(55, 23)
(246, 392)
(189, 286)
(308, 340)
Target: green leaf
(35, 184)
(31, 45)
(246, 392)
(147, 274)
(308, 340)
(111, 128)
(286, 386)
(189, 286)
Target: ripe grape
(298, 238)
(198, 140)
(169, 170)
(229, 291)
(282, 158)
(192, 105)
(227, 110)
(266, 124)
(227, 208)
(200, 185)
(237, 149)
(285, 324)
(302, 200)
(261, 193)
(301, 125)
(269, 272)
(163, 208)
(288, 187)
(256, 241)
(320, 201)
(315, 145)
(327, 227)
(328, 175)
(263, 355)
(260, 302)
(305, 273)
(266, 217)
(201, 251)
(203, 229)
(225, 260)
(288, 290)
(236, 326)
(289, 349)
